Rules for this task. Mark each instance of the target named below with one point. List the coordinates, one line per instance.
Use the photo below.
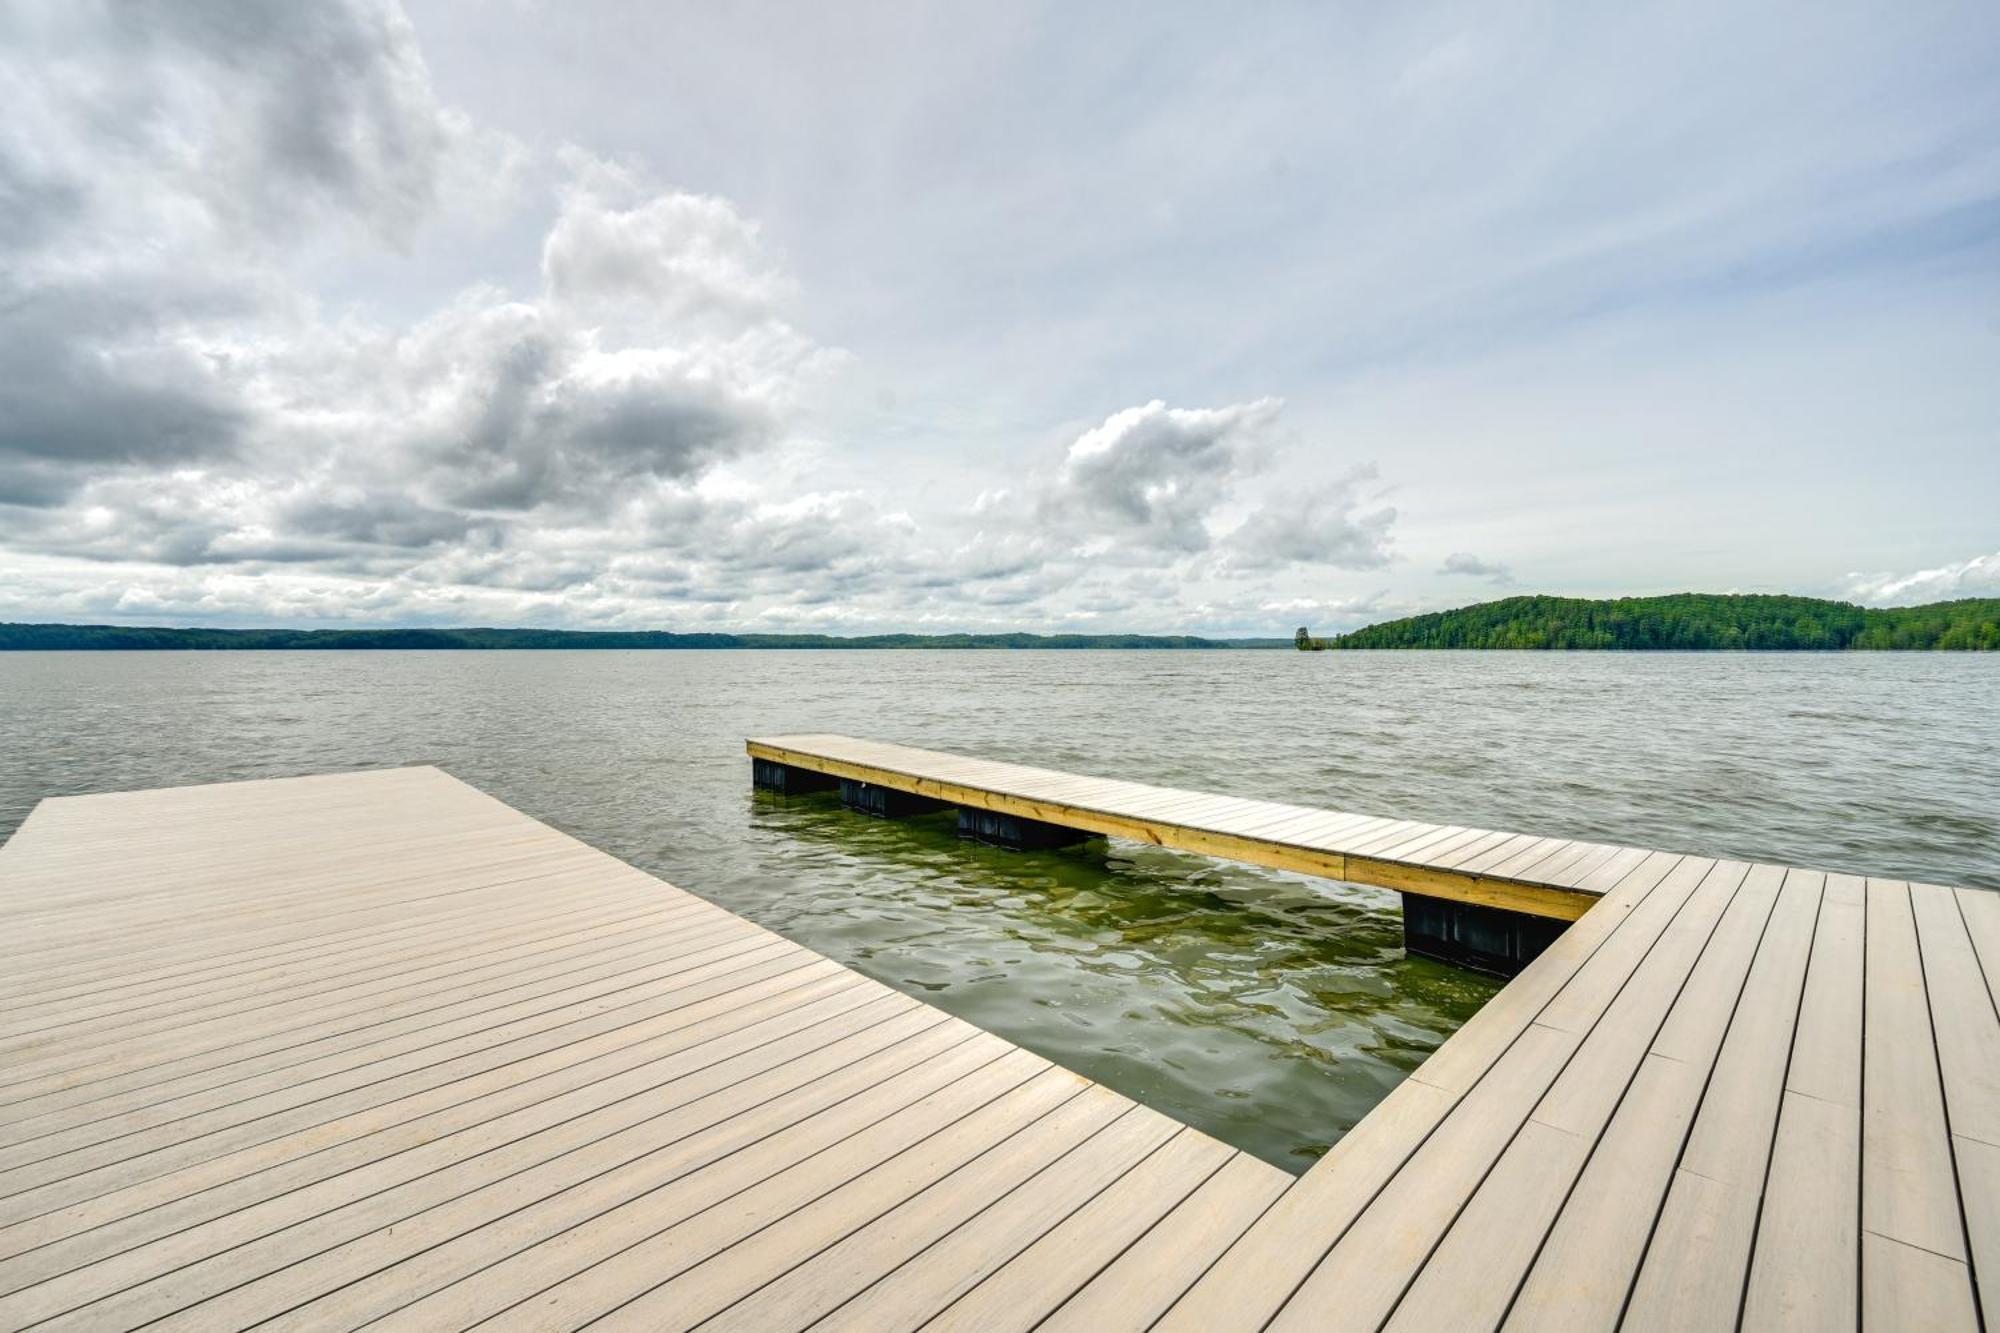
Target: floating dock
(1489, 899)
(377, 1049)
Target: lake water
(1270, 1010)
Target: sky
(941, 317)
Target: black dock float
(771, 775)
(885, 802)
(1017, 832)
(1485, 939)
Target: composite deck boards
(376, 1050)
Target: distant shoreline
(138, 638)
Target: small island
(1699, 622)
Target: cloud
(1330, 525)
(621, 253)
(1154, 474)
(270, 117)
(157, 164)
(1461, 562)
(189, 429)
(171, 393)
(1977, 577)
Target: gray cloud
(1332, 525)
(293, 326)
(267, 114)
(547, 454)
(1460, 562)
(1154, 474)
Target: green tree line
(1691, 621)
(141, 638)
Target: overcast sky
(854, 317)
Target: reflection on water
(1259, 1006)
(1270, 1010)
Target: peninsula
(1686, 621)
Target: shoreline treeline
(1691, 622)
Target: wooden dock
(1558, 878)
(377, 1049)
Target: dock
(1477, 896)
(377, 1049)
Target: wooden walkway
(1518, 872)
(376, 1049)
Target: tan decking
(1551, 877)
(375, 1047)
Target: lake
(1269, 1010)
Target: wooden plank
(1591, 1255)
(77, 1024)
(1141, 1284)
(681, 1276)
(618, 987)
(1358, 1283)
(1019, 1293)
(902, 1267)
(113, 1166)
(1802, 1270)
(605, 976)
(463, 1069)
(655, 1171)
(1253, 1278)
(1979, 1192)
(1981, 910)
(680, 1211)
(185, 1118)
(1909, 1190)
(183, 1268)
(1691, 1275)
(1466, 854)
(1469, 1279)
(680, 1112)
(1968, 1052)
(253, 1030)
(1905, 1287)
(1962, 1014)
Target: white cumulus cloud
(1977, 577)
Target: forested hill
(139, 638)
(1690, 621)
